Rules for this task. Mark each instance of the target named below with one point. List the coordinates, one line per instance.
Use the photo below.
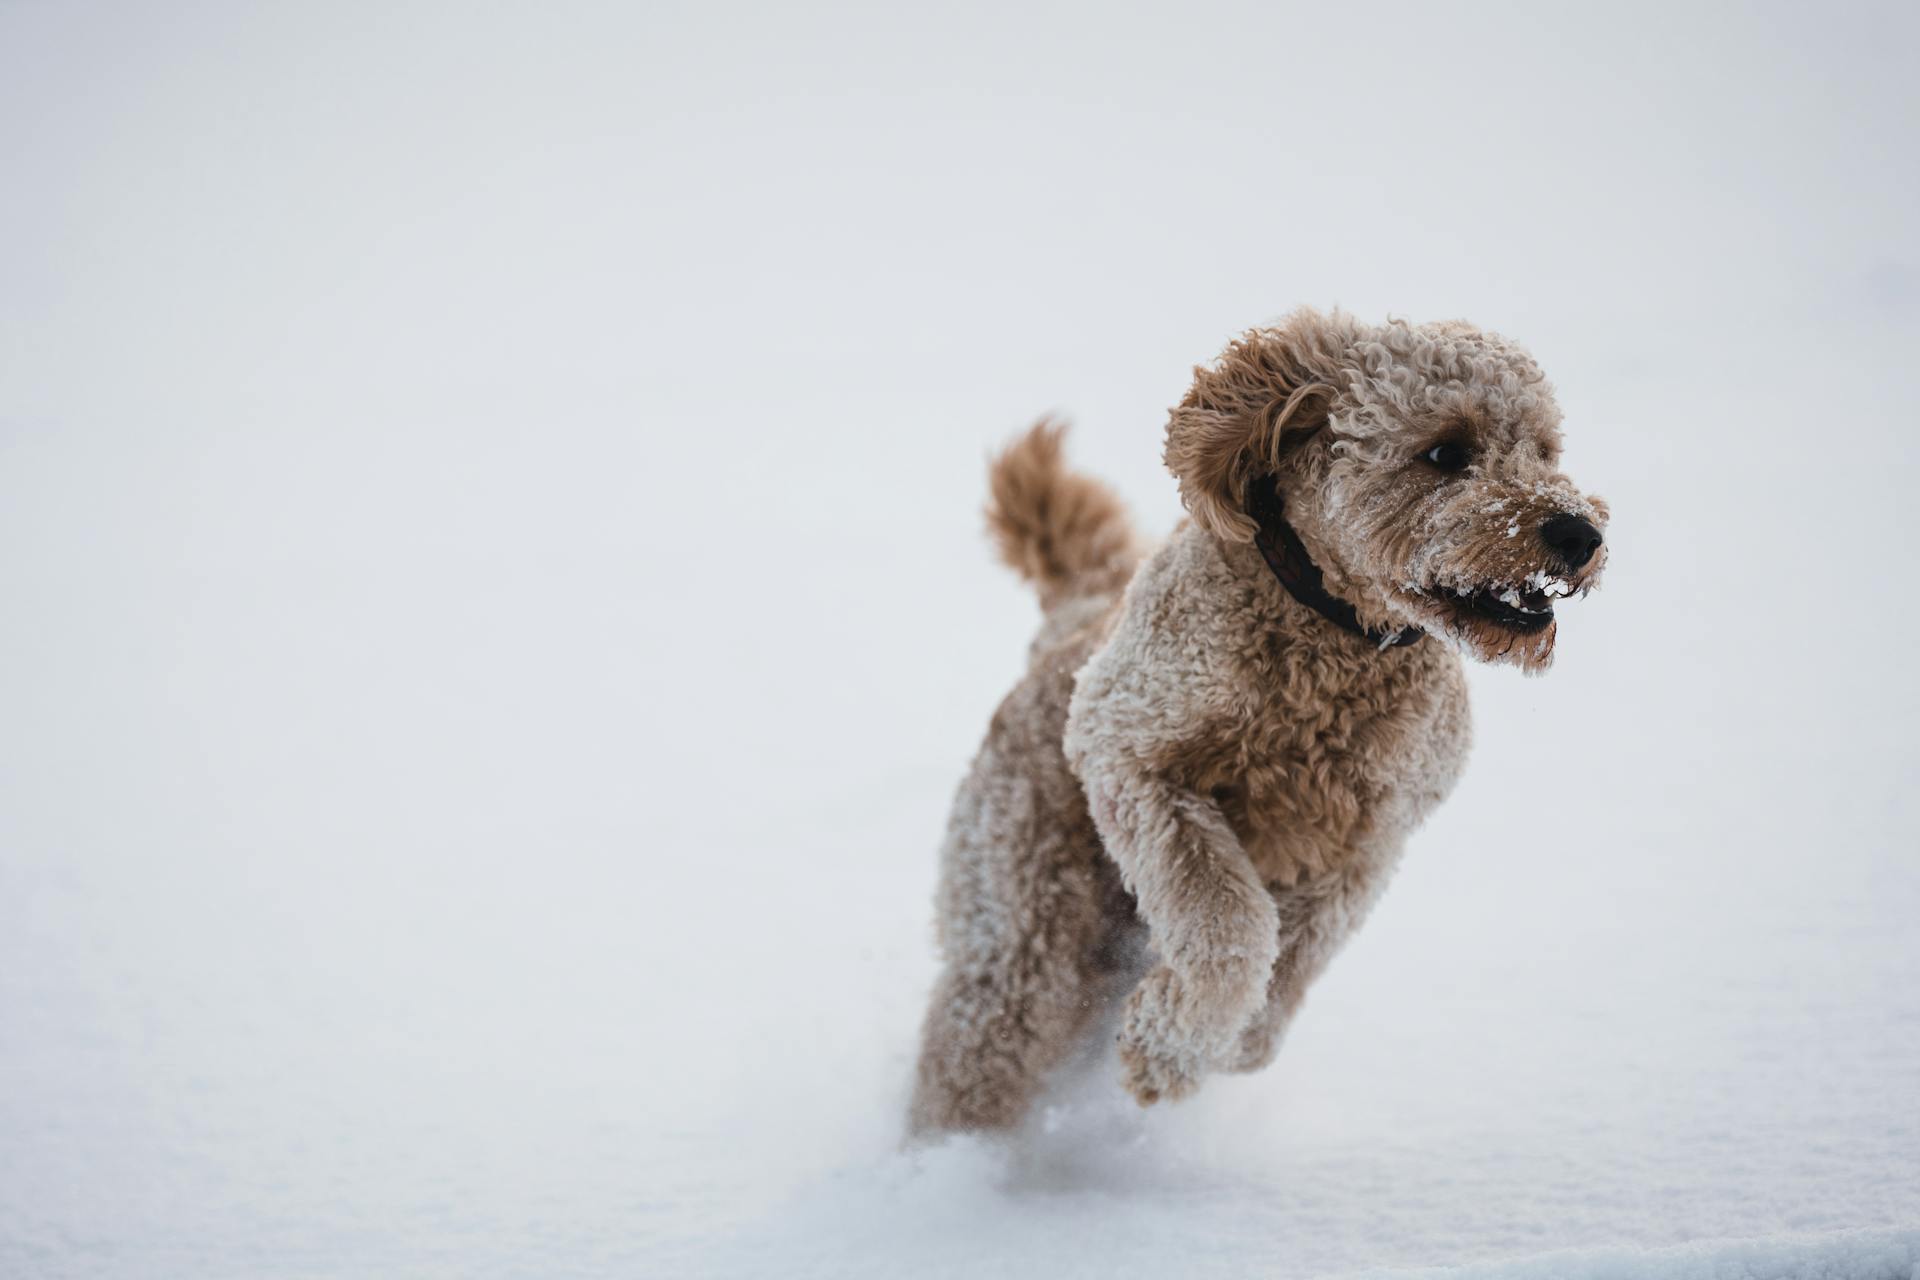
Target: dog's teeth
(1541, 580)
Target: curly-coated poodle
(1220, 746)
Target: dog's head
(1418, 463)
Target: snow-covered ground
(495, 612)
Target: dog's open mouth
(1523, 608)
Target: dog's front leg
(1212, 923)
(1313, 924)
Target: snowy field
(495, 611)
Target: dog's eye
(1448, 455)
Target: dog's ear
(1268, 389)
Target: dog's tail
(1065, 532)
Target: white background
(493, 609)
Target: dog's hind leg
(1030, 915)
(1030, 907)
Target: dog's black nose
(1573, 537)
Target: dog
(1220, 747)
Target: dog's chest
(1330, 774)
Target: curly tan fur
(1196, 757)
(1065, 533)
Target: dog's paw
(1257, 1047)
(1161, 1058)
(1154, 1073)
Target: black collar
(1280, 547)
